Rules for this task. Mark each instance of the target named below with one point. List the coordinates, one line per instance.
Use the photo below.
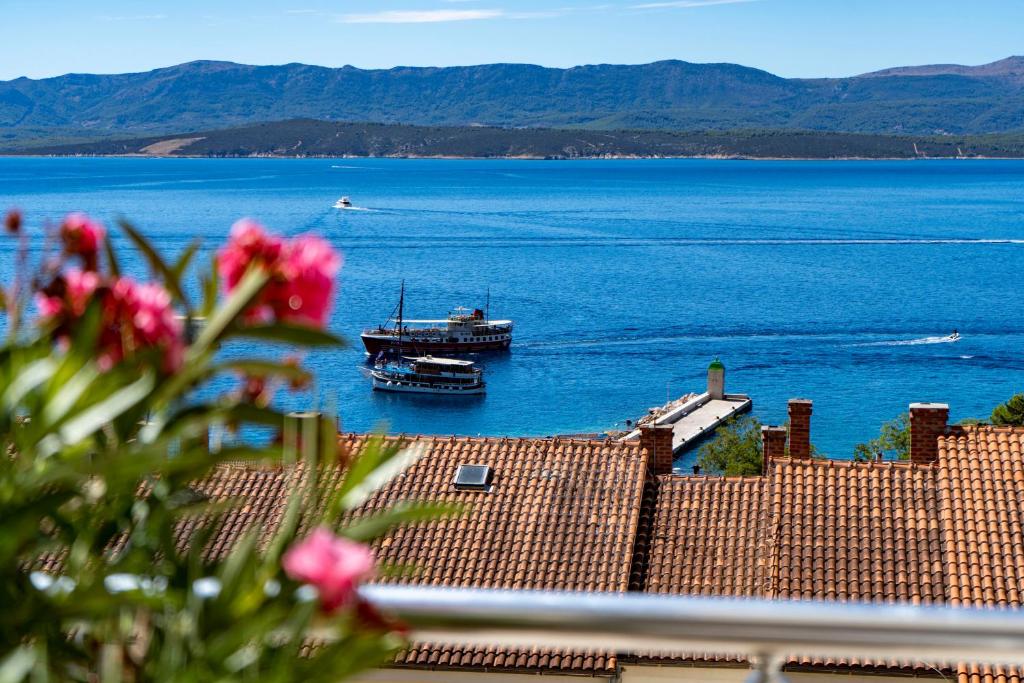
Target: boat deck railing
(767, 633)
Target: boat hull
(381, 384)
(374, 344)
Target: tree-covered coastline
(313, 138)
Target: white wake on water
(911, 342)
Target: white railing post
(766, 668)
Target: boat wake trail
(910, 342)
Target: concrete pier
(701, 415)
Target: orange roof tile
(945, 533)
(561, 514)
(585, 515)
(980, 476)
(851, 531)
(706, 534)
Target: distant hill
(663, 95)
(327, 138)
(1011, 67)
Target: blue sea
(834, 281)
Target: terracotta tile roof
(534, 660)
(848, 531)
(981, 478)
(972, 673)
(706, 534)
(981, 475)
(261, 494)
(560, 514)
(945, 533)
(586, 515)
(810, 529)
(825, 530)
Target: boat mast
(487, 308)
(401, 306)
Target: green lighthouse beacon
(716, 380)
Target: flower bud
(13, 221)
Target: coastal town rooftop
(944, 529)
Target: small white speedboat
(343, 203)
(954, 337)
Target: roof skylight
(473, 477)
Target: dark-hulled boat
(463, 331)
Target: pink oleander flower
(334, 565)
(308, 267)
(80, 287)
(247, 243)
(72, 296)
(134, 317)
(82, 237)
(48, 306)
(302, 273)
(154, 323)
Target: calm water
(625, 278)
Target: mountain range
(676, 95)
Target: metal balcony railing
(767, 632)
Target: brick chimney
(800, 428)
(773, 445)
(657, 441)
(928, 422)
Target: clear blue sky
(788, 37)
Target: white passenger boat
(343, 203)
(428, 375)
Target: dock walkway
(694, 419)
(698, 417)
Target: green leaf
(288, 527)
(157, 264)
(381, 474)
(261, 368)
(210, 285)
(185, 259)
(112, 264)
(107, 410)
(369, 528)
(69, 393)
(288, 333)
(33, 375)
(243, 295)
(239, 561)
(17, 665)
